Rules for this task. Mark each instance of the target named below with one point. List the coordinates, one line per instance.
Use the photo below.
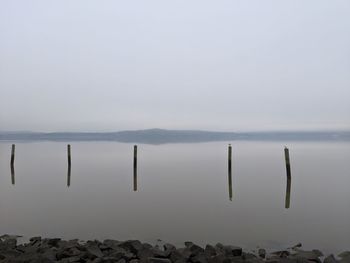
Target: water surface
(182, 193)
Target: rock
(345, 257)
(132, 245)
(158, 260)
(247, 256)
(232, 251)
(309, 255)
(168, 248)
(113, 244)
(220, 258)
(53, 242)
(93, 250)
(118, 253)
(35, 239)
(201, 258)
(209, 251)
(262, 253)
(179, 255)
(330, 259)
(195, 250)
(281, 254)
(144, 254)
(188, 243)
(297, 246)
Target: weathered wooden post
(135, 167)
(229, 157)
(289, 177)
(69, 155)
(13, 155)
(286, 156)
(230, 171)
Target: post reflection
(135, 179)
(289, 182)
(13, 174)
(68, 175)
(230, 184)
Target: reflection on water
(13, 174)
(68, 175)
(289, 181)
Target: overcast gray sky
(220, 65)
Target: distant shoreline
(160, 136)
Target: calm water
(182, 193)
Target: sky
(235, 65)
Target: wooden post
(135, 156)
(230, 171)
(13, 155)
(286, 156)
(69, 155)
(229, 157)
(289, 177)
(135, 167)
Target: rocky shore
(47, 250)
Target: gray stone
(330, 259)
(132, 245)
(209, 251)
(262, 253)
(201, 258)
(232, 251)
(179, 255)
(195, 250)
(158, 260)
(94, 250)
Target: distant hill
(159, 136)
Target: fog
(216, 65)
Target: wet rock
(118, 253)
(168, 248)
(345, 257)
(113, 244)
(34, 240)
(179, 255)
(220, 258)
(247, 256)
(158, 260)
(297, 246)
(201, 258)
(232, 251)
(93, 250)
(209, 251)
(309, 255)
(281, 254)
(330, 259)
(195, 250)
(132, 245)
(262, 253)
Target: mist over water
(182, 193)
